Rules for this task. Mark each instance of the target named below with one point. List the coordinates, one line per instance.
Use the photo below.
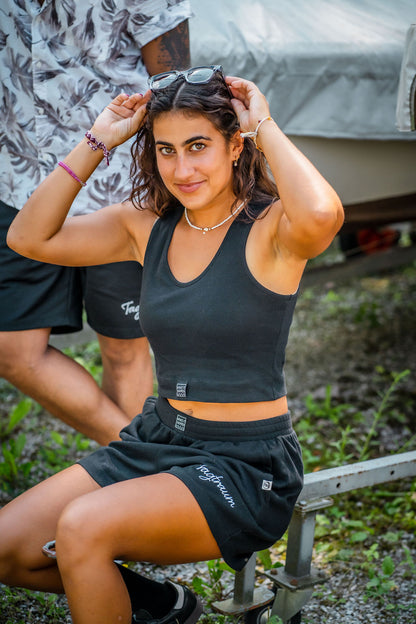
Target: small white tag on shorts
(181, 390)
(180, 422)
(266, 485)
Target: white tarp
(406, 100)
(330, 68)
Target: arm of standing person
(168, 51)
(41, 230)
(311, 212)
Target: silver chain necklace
(204, 230)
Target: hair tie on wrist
(94, 145)
(253, 135)
(71, 173)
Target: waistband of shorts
(222, 430)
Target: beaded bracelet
(71, 173)
(94, 145)
(253, 135)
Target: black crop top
(220, 337)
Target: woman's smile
(189, 187)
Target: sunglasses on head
(194, 75)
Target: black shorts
(245, 476)
(34, 294)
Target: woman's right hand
(121, 119)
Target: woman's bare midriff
(232, 411)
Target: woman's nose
(184, 168)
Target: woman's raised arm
(41, 230)
(312, 211)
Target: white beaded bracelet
(253, 135)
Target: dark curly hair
(251, 180)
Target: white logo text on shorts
(130, 308)
(207, 475)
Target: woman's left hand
(249, 103)
(121, 119)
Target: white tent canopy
(330, 68)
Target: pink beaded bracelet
(94, 145)
(71, 173)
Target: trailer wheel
(261, 615)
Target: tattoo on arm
(169, 51)
(174, 47)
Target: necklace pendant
(205, 230)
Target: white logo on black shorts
(131, 309)
(207, 475)
(266, 485)
(180, 422)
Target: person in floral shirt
(60, 63)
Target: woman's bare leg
(153, 518)
(29, 521)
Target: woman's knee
(77, 538)
(8, 561)
(15, 556)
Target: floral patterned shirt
(60, 64)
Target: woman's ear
(237, 144)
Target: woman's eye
(166, 150)
(197, 147)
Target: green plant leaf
(388, 566)
(56, 437)
(374, 582)
(18, 413)
(19, 444)
(265, 559)
(360, 536)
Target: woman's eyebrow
(190, 140)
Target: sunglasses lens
(199, 75)
(161, 81)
